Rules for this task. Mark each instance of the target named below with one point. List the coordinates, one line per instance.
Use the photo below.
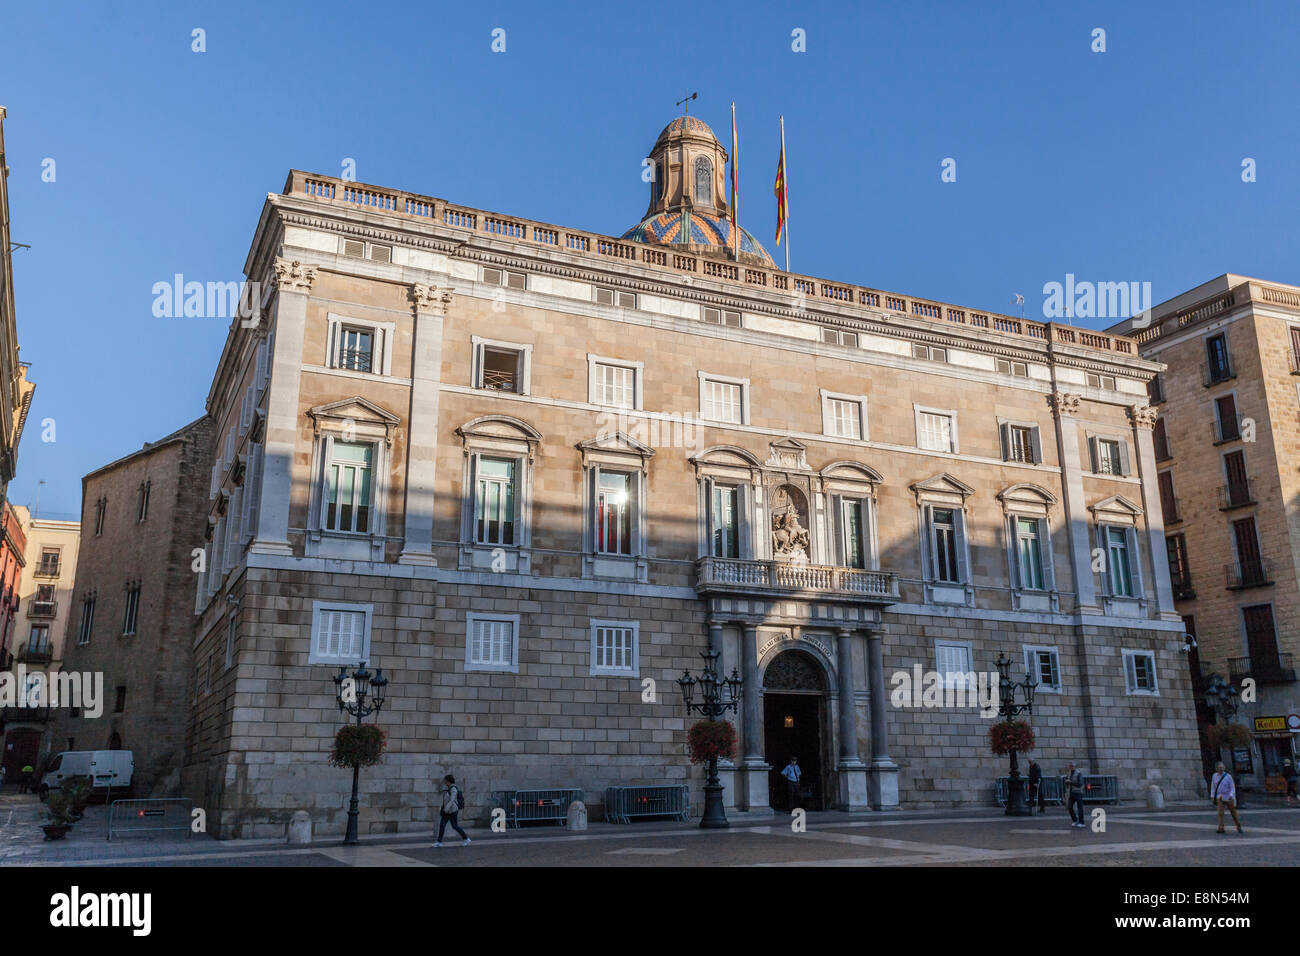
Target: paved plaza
(1132, 836)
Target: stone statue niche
(790, 525)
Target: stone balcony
(779, 579)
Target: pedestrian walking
(1035, 785)
(25, 778)
(1289, 774)
(793, 774)
(1223, 791)
(1074, 795)
(453, 801)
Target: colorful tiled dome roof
(666, 228)
(686, 124)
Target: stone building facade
(133, 604)
(533, 472)
(1227, 447)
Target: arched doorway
(794, 724)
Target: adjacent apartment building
(1227, 446)
(132, 603)
(44, 601)
(15, 390)
(532, 472)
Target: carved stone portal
(790, 525)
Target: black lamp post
(711, 707)
(1017, 805)
(1221, 699)
(367, 698)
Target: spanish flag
(782, 204)
(735, 182)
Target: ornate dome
(703, 229)
(684, 125)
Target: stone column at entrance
(851, 770)
(884, 772)
(753, 768)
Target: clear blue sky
(1115, 166)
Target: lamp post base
(1017, 805)
(715, 814)
(354, 811)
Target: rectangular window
(1237, 488)
(952, 660)
(132, 608)
(930, 353)
(1160, 440)
(726, 523)
(500, 369)
(1020, 443)
(626, 300)
(614, 385)
(101, 506)
(1168, 501)
(1140, 672)
(119, 705)
(935, 432)
(1043, 664)
(1101, 381)
(356, 349)
(1109, 454)
(843, 418)
(494, 503)
(851, 515)
(1029, 554)
(492, 642)
(722, 317)
(1179, 575)
(722, 401)
(1007, 367)
(348, 487)
(44, 603)
(87, 620)
(944, 542)
(1218, 363)
(340, 633)
(838, 337)
(142, 505)
(1117, 555)
(49, 566)
(507, 278)
(1156, 390)
(38, 641)
(1225, 410)
(1261, 643)
(614, 648)
(1250, 563)
(614, 513)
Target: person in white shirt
(792, 774)
(1223, 791)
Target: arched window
(703, 181)
(657, 187)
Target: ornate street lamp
(365, 696)
(1017, 805)
(711, 707)
(1221, 697)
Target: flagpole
(785, 199)
(735, 183)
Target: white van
(108, 769)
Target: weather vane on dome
(685, 104)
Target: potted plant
(79, 790)
(59, 809)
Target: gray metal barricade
(624, 803)
(1100, 789)
(171, 813)
(1052, 790)
(535, 806)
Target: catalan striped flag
(782, 203)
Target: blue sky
(1115, 166)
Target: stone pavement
(1178, 836)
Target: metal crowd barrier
(1096, 789)
(1100, 789)
(624, 803)
(535, 806)
(1052, 790)
(156, 808)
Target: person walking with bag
(453, 801)
(1074, 795)
(1035, 786)
(1223, 791)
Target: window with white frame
(615, 506)
(1029, 552)
(613, 382)
(494, 502)
(953, 663)
(607, 296)
(843, 416)
(945, 548)
(501, 366)
(723, 400)
(132, 609)
(931, 353)
(1119, 560)
(1020, 442)
(726, 521)
(340, 633)
(348, 498)
(936, 430)
(87, 619)
(1140, 672)
(728, 317)
(853, 532)
(360, 345)
(1101, 381)
(1008, 367)
(1043, 664)
(614, 648)
(492, 642)
(1109, 456)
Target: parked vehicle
(107, 769)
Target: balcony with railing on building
(43, 603)
(1253, 573)
(35, 652)
(1225, 430)
(1235, 494)
(48, 568)
(1265, 669)
(1181, 581)
(355, 359)
(785, 579)
(1218, 365)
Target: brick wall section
(154, 663)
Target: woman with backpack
(453, 801)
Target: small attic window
(703, 181)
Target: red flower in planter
(1011, 736)
(708, 739)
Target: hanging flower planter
(358, 746)
(1011, 737)
(711, 739)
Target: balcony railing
(1225, 431)
(1235, 495)
(50, 570)
(778, 577)
(42, 608)
(1265, 670)
(1182, 586)
(1247, 574)
(1216, 372)
(35, 651)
